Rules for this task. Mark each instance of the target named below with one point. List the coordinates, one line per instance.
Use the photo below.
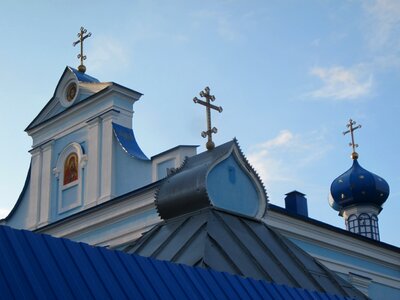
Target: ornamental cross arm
(210, 130)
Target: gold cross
(354, 155)
(206, 94)
(82, 37)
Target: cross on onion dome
(351, 130)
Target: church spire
(82, 37)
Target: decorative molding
(360, 282)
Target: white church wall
(112, 223)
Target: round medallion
(71, 92)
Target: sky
(289, 75)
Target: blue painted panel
(163, 166)
(229, 187)
(383, 292)
(69, 197)
(347, 259)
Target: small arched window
(364, 221)
(352, 224)
(71, 173)
(375, 228)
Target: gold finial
(206, 94)
(354, 155)
(82, 37)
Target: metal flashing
(173, 149)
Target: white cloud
(282, 158)
(4, 212)
(340, 83)
(283, 138)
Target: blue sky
(288, 74)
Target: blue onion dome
(358, 186)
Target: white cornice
(99, 99)
(329, 239)
(108, 214)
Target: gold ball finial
(354, 155)
(210, 145)
(82, 68)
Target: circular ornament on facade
(71, 91)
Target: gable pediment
(72, 88)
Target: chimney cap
(295, 192)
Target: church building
(90, 182)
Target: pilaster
(45, 184)
(35, 188)
(93, 166)
(107, 178)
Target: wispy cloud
(108, 53)
(341, 83)
(224, 24)
(383, 17)
(282, 158)
(269, 167)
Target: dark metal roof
(185, 190)
(126, 139)
(215, 239)
(34, 266)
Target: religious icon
(71, 168)
(71, 92)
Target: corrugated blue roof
(35, 266)
(127, 140)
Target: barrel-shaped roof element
(357, 186)
(220, 177)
